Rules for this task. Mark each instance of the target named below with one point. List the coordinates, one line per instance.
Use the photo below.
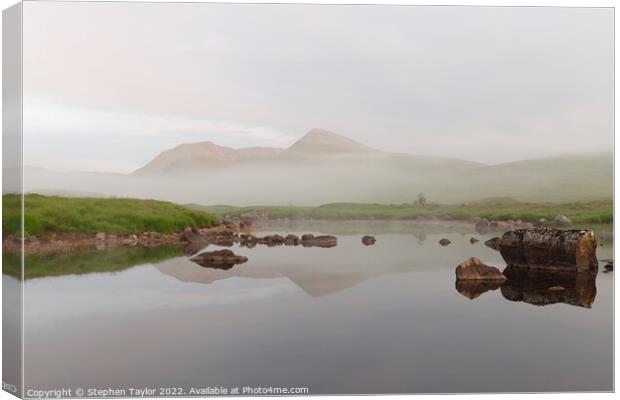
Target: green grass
(47, 214)
(86, 261)
(598, 212)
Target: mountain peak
(323, 141)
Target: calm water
(351, 319)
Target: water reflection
(541, 288)
(349, 319)
(473, 289)
(537, 287)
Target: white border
(528, 3)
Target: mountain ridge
(315, 145)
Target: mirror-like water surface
(386, 318)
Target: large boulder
(546, 248)
(444, 242)
(474, 269)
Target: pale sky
(107, 86)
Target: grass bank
(597, 212)
(54, 214)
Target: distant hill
(318, 146)
(320, 141)
(204, 155)
(560, 178)
(324, 167)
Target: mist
(367, 179)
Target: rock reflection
(537, 287)
(542, 288)
(474, 289)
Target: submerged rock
(493, 243)
(220, 259)
(368, 240)
(444, 242)
(474, 269)
(546, 248)
(473, 240)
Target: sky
(108, 86)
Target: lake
(344, 320)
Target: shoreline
(65, 242)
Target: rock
(100, 236)
(248, 240)
(220, 259)
(319, 241)
(493, 243)
(561, 220)
(307, 236)
(546, 248)
(473, 240)
(229, 224)
(540, 223)
(291, 240)
(245, 225)
(226, 241)
(608, 267)
(474, 269)
(188, 235)
(368, 240)
(271, 240)
(444, 242)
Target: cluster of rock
(544, 266)
(306, 240)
